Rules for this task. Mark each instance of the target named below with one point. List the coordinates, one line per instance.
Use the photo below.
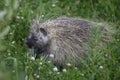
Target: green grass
(103, 64)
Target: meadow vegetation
(16, 17)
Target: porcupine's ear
(43, 31)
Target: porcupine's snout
(30, 41)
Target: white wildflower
(55, 69)
(101, 67)
(68, 64)
(22, 17)
(76, 68)
(13, 42)
(13, 71)
(18, 17)
(32, 58)
(82, 74)
(37, 76)
(41, 58)
(42, 15)
(51, 55)
(106, 55)
(49, 61)
(64, 70)
(58, 72)
(53, 5)
(40, 63)
(11, 33)
(9, 54)
(118, 40)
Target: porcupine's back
(67, 36)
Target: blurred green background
(16, 16)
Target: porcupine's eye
(43, 31)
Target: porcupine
(64, 38)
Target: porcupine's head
(37, 39)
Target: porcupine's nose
(31, 42)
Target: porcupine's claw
(37, 52)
